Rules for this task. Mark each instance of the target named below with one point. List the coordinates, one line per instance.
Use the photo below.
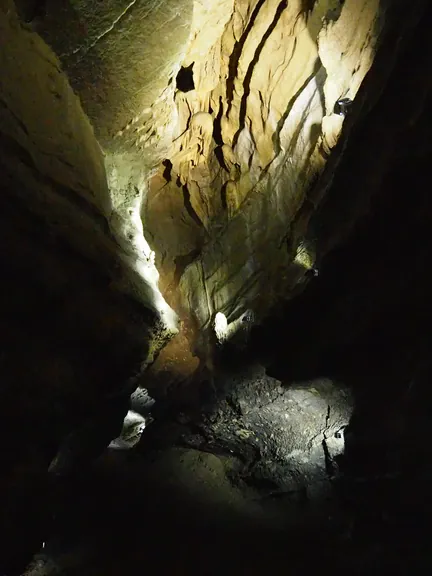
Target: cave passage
(214, 243)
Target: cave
(215, 345)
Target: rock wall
(217, 164)
(228, 212)
(254, 132)
(119, 56)
(239, 105)
(221, 143)
(71, 339)
(262, 180)
(364, 321)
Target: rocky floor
(183, 511)
(248, 485)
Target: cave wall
(238, 104)
(253, 133)
(256, 153)
(121, 59)
(365, 320)
(119, 56)
(72, 335)
(47, 140)
(73, 329)
(221, 144)
(223, 224)
(49, 145)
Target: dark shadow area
(217, 131)
(219, 157)
(333, 15)
(30, 10)
(365, 321)
(223, 196)
(181, 263)
(167, 164)
(308, 6)
(48, 344)
(69, 339)
(163, 523)
(188, 205)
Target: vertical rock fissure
(248, 77)
(236, 54)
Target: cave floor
(178, 512)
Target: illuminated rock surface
(270, 74)
(119, 55)
(192, 161)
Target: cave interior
(216, 324)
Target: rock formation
(79, 318)
(213, 223)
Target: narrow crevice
(307, 7)
(217, 129)
(167, 164)
(219, 157)
(247, 80)
(189, 208)
(235, 56)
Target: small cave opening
(167, 164)
(185, 78)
